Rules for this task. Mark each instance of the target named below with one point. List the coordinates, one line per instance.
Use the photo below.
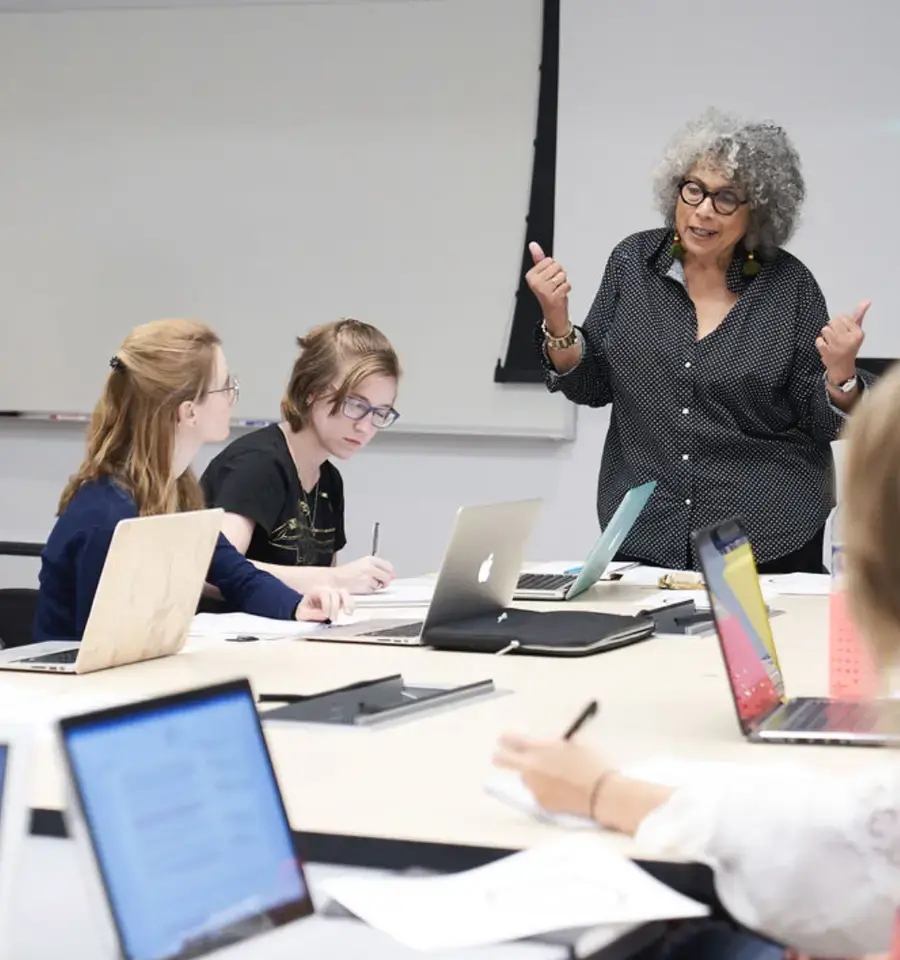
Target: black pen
(375, 529)
(589, 711)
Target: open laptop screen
(742, 621)
(186, 821)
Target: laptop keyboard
(404, 630)
(834, 715)
(64, 656)
(544, 581)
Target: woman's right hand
(561, 774)
(366, 575)
(549, 283)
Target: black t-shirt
(255, 477)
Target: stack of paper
(408, 592)
(573, 882)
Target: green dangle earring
(752, 267)
(677, 250)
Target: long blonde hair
(131, 438)
(870, 516)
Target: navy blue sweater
(76, 550)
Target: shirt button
(684, 456)
(687, 502)
(685, 411)
(687, 365)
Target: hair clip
(117, 365)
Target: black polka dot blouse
(735, 425)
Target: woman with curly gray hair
(727, 378)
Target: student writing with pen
(283, 496)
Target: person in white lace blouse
(810, 861)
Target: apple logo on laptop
(484, 571)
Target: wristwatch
(558, 343)
(846, 387)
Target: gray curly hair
(757, 156)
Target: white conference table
(422, 779)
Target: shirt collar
(666, 265)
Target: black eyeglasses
(357, 409)
(232, 388)
(724, 201)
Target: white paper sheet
(666, 770)
(219, 626)
(799, 584)
(403, 592)
(573, 882)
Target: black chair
(17, 604)
(17, 608)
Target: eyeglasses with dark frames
(725, 201)
(355, 408)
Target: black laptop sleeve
(553, 633)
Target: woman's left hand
(323, 604)
(839, 342)
(561, 774)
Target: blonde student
(167, 393)
(807, 859)
(283, 495)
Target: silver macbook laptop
(176, 808)
(764, 713)
(146, 597)
(478, 574)
(566, 586)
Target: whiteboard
(265, 169)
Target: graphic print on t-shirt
(307, 541)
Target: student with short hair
(283, 496)
(167, 393)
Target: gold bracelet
(559, 343)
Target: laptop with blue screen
(176, 802)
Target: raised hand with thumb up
(839, 342)
(549, 283)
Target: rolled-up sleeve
(809, 860)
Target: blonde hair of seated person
(871, 517)
(131, 438)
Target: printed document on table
(573, 882)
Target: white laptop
(188, 851)
(567, 586)
(146, 597)
(478, 574)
